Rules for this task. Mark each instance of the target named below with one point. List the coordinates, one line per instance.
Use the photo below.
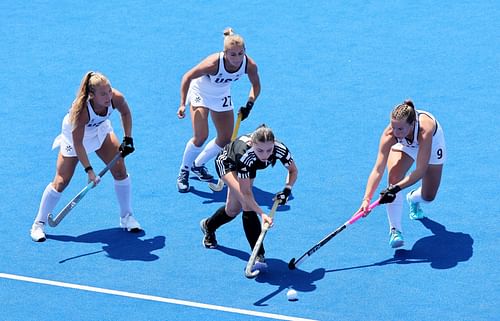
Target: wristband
(88, 168)
(289, 187)
(249, 104)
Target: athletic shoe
(416, 212)
(183, 181)
(130, 223)
(209, 240)
(396, 239)
(202, 173)
(37, 233)
(260, 263)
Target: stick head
(252, 274)
(216, 187)
(291, 264)
(51, 221)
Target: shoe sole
(416, 218)
(182, 190)
(397, 244)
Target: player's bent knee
(199, 141)
(59, 184)
(428, 198)
(232, 212)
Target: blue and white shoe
(202, 173)
(396, 239)
(183, 181)
(416, 212)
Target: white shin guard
(50, 198)
(395, 212)
(123, 191)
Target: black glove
(245, 111)
(283, 195)
(388, 195)
(127, 146)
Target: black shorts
(223, 164)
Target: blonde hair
(262, 134)
(89, 82)
(231, 39)
(406, 110)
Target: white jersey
(96, 130)
(438, 152)
(214, 91)
(416, 130)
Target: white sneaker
(37, 233)
(130, 223)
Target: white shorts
(92, 140)
(438, 151)
(215, 103)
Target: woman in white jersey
(207, 89)
(85, 129)
(412, 135)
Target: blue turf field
(330, 72)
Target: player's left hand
(127, 146)
(283, 195)
(245, 110)
(388, 195)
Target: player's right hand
(93, 178)
(266, 219)
(365, 207)
(181, 112)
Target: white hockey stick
(248, 269)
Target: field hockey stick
(59, 217)
(251, 261)
(294, 263)
(220, 183)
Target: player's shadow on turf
(119, 244)
(278, 274)
(443, 249)
(262, 197)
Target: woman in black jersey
(237, 165)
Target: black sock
(252, 227)
(218, 219)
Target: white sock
(209, 152)
(50, 198)
(123, 190)
(395, 212)
(416, 196)
(189, 156)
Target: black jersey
(240, 157)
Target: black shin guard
(252, 227)
(218, 219)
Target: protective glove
(127, 146)
(245, 110)
(283, 195)
(388, 195)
